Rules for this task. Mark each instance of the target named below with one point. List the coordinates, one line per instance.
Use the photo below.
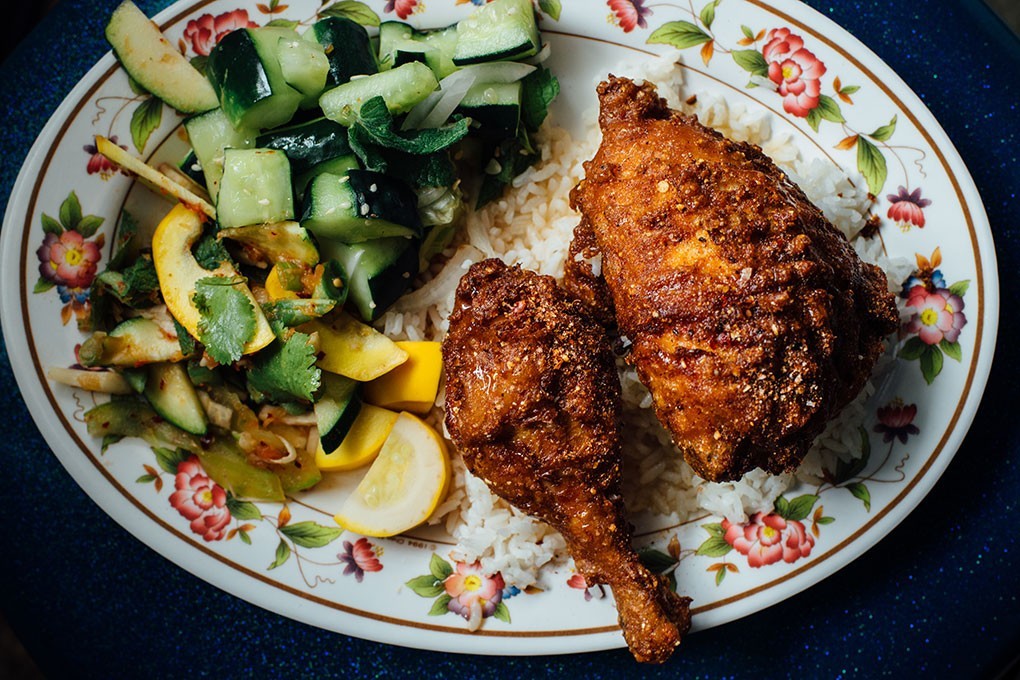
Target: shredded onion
(249, 442)
(433, 111)
(540, 56)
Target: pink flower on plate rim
(768, 538)
(937, 315)
(472, 593)
(907, 208)
(68, 259)
(795, 71)
(98, 163)
(200, 500)
(403, 8)
(359, 557)
(630, 13)
(204, 32)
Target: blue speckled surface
(938, 597)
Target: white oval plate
(293, 560)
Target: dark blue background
(938, 597)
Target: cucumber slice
(154, 63)
(347, 48)
(227, 465)
(308, 144)
(255, 188)
(133, 342)
(496, 106)
(276, 242)
(172, 396)
(501, 30)
(210, 134)
(245, 72)
(359, 206)
(304, 67)
(379, 272)
(334, 166)
(397, 45)
(401, 88)
(336, 409)
(441, 44)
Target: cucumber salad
(329, 165)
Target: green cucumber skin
(347, 209)
(500, 31)
(401, 88)
(380, 271)
(348, 49)
(336, 410)
(237, 75)
(171, 394)
(334, 166)
(308, 144)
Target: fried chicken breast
(532, 403)
(753, 321)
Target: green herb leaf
(551, 8)
(282, 554)
(885, 132)
(679, 34)
(538, 90)
(440, 568)
(714, 546)
(377, 122)
(310, 534)
(751, 61)
(146, 117)
(287, 371)
(871, 164)
(126, 231)
(352, 9)
(440, 606)
(210, 252)
(70, 212)
(800, 507)
(228, 317)
(188, 344)
(426, 586)
(860, 491)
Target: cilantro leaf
(538, 89)
(136, 286)
(286, 371)
(376, 121)
(210, 252)
(228, 317)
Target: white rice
(532, 225)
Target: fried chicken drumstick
(532, 402)
(753, 320)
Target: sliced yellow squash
(363, 441)
(413, 385)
